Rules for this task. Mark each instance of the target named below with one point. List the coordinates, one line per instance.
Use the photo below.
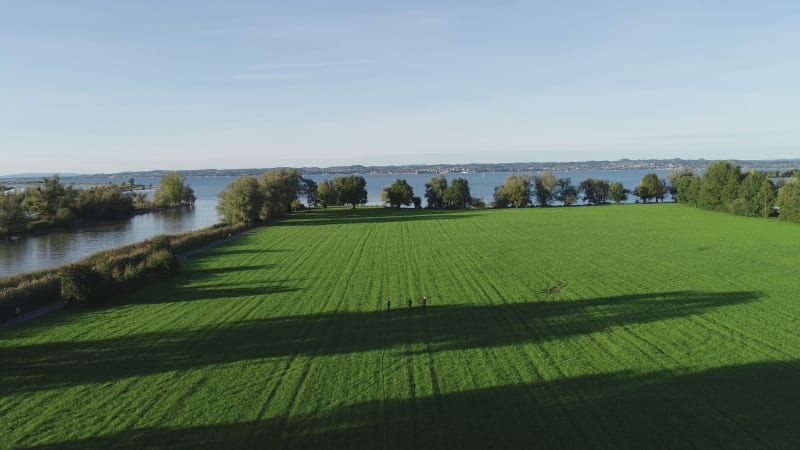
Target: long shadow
(259, 289)
(197, 274)
(239, 250)
(748, 406)
(370, 215)
(45, 366)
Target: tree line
(521, 191)
(252, 200)
(438, 194)
(52, 203)
(724, 187)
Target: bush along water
(103, 277)
(106, 275)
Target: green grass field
(634, 326)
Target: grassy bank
(119, 270)
(599, 327)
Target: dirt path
(22, 318)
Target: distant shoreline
(622, 164)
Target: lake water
(54, 248)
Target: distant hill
(17, 176)
(621, 164)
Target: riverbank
(23, 317)
(118, 269)
(58, 246)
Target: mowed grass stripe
(614, 327)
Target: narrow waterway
(60, 246)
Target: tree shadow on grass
(197, 274)
(371, 215)
(235, 250)
(745, 406)
(436, 328)
(257, 289)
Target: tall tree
(515, 191)
(241, 201)
(595, 191)
(686, 185)
(756, 195)
(173, 191)
(720, 185)
(140, 200)
(789, 201)
(104, 202)
(12, 213)
(436, 191)
(49, 197)
(280, 188)
(618, 193)
(397, 194)
(545, 184)
(766, 197)
(309, 189)
(352, 190)
(565, 191)
(458, 195)
(326, 191)
(651, 188)
(500, 198)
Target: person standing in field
(409, 304)
(388, 304)
(424, 301)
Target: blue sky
(107, 86)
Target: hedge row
(101, 277)
(28, 293)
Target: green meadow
(632, 326)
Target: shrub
(159, 262)
(64, 215)
(161, 242)
(80, 284)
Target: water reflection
(61, 246)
